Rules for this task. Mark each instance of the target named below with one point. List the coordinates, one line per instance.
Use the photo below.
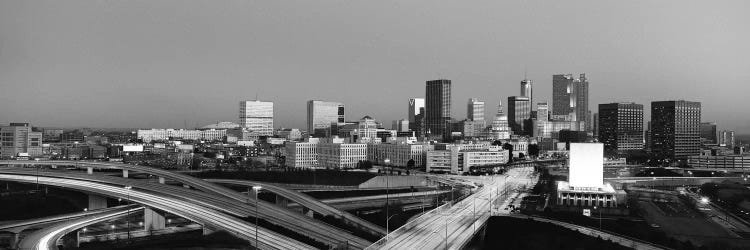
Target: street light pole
(257, 190)
(37, 175)
(387, 193)
(446, 231)
(127, 219)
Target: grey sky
(158, 63)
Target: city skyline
(67, 57)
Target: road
(227, 201)
(206, 216)
(722, 217)
(46, 238)
(453, 226)
(308, 202)
(18, 226)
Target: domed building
(500, 129)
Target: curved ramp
(205, 216)
(310, 203)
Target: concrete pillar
(153, 220)
(13, 240)
(161, 180)
(252, 192)
(281, 201)
(89, 170)
(97, 202)
(308, 212)
(207, 230)
(124, 173)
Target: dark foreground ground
(521, 234)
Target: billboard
(586, 165)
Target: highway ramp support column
(309, 212)
(281, 201)
(161, 180)
(153, 220)
(124, 173)
(97, 202)
(14, 237)
(89, 170)
(207, 229)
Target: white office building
(585, 186)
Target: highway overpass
(205, 216)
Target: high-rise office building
(438, 107)
(401, 125)
(675, 129)
(709, 133)
(19, 139)
(322, 116)
(726, 139)
(542, 111)
(570, 97)
(257, 116)
(526, 90)
(416, 116)
(621, 127)
(416, 107)
(475, 110)
(519, 110)
(595, 124)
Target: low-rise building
(341, 155)
(719, 161)
(302, 154)
(19, 138)
(398, 153)
(460, 158)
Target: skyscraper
(257, 116)
(322, 115)
(416, 107)
(526, 90)
(542, 111)
(675, 129)
(621, 127)
(475, 110)
(519, 110)
(570, 97)
(726, 139)
(709, 133)
(438, 107)
(19, 138)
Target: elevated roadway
(291, 220)
(47, 237)
(309, 203)
(208, 217)
(452, 226)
